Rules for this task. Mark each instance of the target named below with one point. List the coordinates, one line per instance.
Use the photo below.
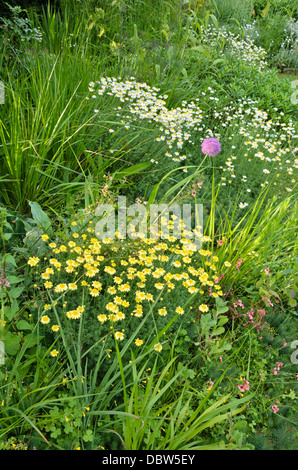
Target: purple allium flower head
(211, 147)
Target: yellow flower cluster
(124, 279)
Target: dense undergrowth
(148, 343)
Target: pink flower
(246, 385)
(267, 270)
(211, 385)
(243, 387)
(262, 312)
(239, 262)
(211, 147)
(275, 408)
(218, 279)
(267, 300)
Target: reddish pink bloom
(275, 408)
(267, 300)
(211, 385)
(243, 387)
(218, 279)
(239, 262)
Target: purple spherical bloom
(211, 147)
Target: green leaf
(88, 436)
(31, 340)
(219, 331)
(132, 170)
(11, 343)
(24, 325)
(11, 311)
(16, 292)
(266, 10)
(9, 259)
(222, 321)
(40, 217)
(14, 279)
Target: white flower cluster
(175, 125)
(245, 49)
(257, 137)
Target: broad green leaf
(222, 321)
(11, 311)
(11, 343)
(40, 217)
(14, 279)
(24, 325)
(16, 292)
(219, 331)
(9, 259)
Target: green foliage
(17, 29)
(220, 372)
(210, 328)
